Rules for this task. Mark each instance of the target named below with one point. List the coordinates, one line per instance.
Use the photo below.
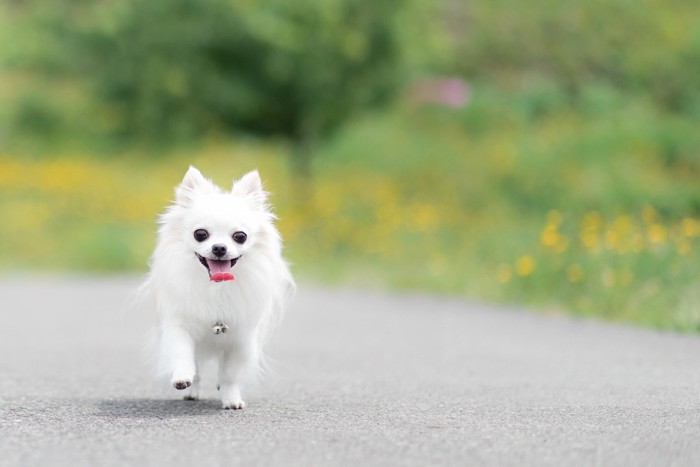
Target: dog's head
(219, 227)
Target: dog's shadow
(158, 408)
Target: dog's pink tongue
(220, 270)
(221, 276)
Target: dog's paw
(219, 328)
(234, 405)
(181, 384)
(190, 397)
(231, 397)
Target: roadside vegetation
(565, 175)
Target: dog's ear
(250, 186)
(192, 182)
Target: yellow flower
(589, 240)
(525, 266)
(424, 217)
(549, 236)
(690, 227)
(656, 233)
(10, 172)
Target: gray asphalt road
(363, 378)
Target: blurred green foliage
(175, 70)
(570, 179)
(649, 47)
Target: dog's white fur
(192, 310)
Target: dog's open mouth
(218, 269)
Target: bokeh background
(544, 152)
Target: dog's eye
(240, 237)
(200, 235)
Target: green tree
(171, 69)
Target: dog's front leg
(230, 368)
(233, 366)
(177, 349)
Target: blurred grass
(569, 182)
(581, 208)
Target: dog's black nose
(219, 250)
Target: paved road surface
(363, 378)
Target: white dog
(218, 282)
